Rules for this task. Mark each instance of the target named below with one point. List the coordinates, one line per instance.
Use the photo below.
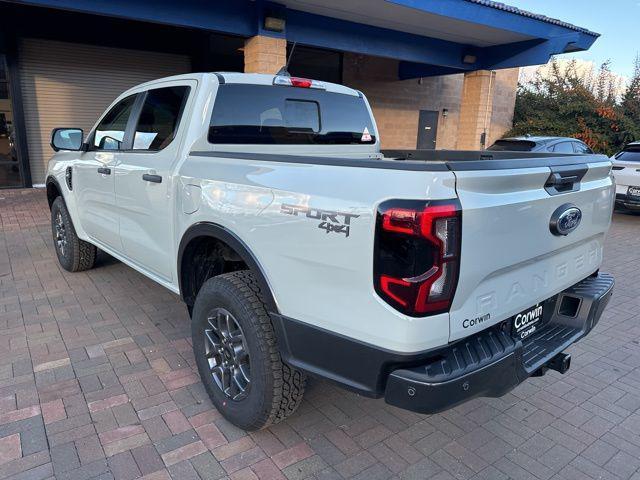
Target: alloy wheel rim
(227, 355)
(60, 234)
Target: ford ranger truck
(299, 247)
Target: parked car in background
(541, 144)
(626, 170)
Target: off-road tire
(276, 389)
(78, 254)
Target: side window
(159, 118)
(582, 148)
(563, 147)
(109, 134)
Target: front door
(94, 176)
(427, 129)
(144, 189)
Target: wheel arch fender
(53, 189)
(233, 241)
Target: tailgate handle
(560, 180)
(565, 179)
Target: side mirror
(67, 139)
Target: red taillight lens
(300, 82)
(417, 255)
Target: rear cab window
(271, 114)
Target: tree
(569, 102)
(631, 99)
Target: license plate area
(529, 321)
(634, 192)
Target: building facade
(438, 74)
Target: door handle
(104, 171)
(148, 177)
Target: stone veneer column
(264, 54)
(475, 109)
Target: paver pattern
(97, 380)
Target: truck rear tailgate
(511, 259)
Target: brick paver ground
(97, 380)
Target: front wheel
(237, 355)
(74, 255)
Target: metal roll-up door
(70, 85)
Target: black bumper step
(493, 362)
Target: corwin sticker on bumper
(330, 220)
(527, 322)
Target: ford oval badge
(565, 219)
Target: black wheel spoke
(238, 386)
(214, 342)
(222, 325)
(213, 323)
(244, 371)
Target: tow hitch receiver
(560, 363)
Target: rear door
(145, 194)
(512, 257)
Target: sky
(617, 22)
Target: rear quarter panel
(324, 278)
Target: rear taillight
(417, 254)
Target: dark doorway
(10, 168)
(427, 129)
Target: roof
(267, 79)
(536, 16)
(539, 139)
(233, 78)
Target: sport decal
(330, 220)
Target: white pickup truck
(424, 277)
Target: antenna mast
(284, 71)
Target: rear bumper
(624, 200)
(492, 362)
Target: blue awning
(429, 37)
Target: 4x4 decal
(330, 220)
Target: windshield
(512, 146)
(265, 114)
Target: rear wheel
(237, 355)
(74, 255)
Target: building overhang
(428, 37)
